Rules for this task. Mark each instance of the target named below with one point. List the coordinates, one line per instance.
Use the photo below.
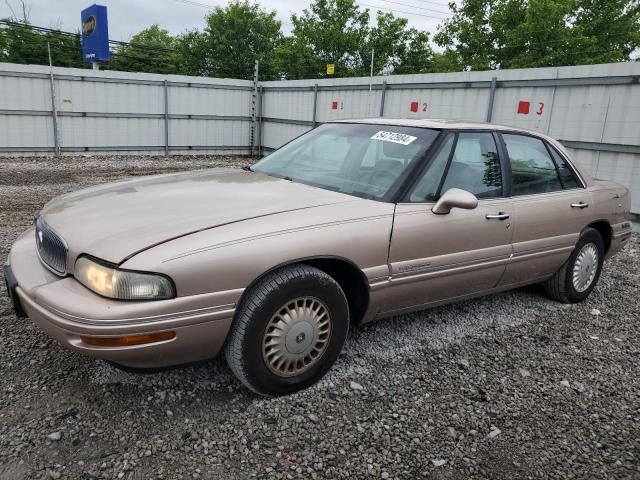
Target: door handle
(497, 216)
(579, 205)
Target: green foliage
(191, 53)
(235, 37)
(418, 57)
(20, 44)
(338, 32)
(330, 31)
(392, 42)
(605, 30)
(488, 34)
(152, 50)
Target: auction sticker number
(395, 137)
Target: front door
(434, 257)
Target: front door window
(474, 166)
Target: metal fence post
(492, 96)
(54, 111)
(315, 104)
(260, 124)
(254, 107)
(384, 94)
(166, 118)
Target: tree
(19, 43)
(330, 31)
(234, 38)
(471, 32)
(606, 30)
(391, 41)
(191, 53)
(151, 50)
(338, 32)
(542, 36)
(486, 34)
(419, 57)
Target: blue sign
(95, 34)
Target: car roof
(436, 123)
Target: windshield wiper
(247, 168)
(288, 178)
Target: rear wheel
(288, 331)
(579, 275)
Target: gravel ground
(509, 386)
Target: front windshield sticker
(395, 137)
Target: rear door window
(532, 169)
(568, 177)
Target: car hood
(115, 221)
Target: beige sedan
(351, 222)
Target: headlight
(122, 284)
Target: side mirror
(455, 198)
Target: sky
(127, 17)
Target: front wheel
(288, 331)
(579, 275)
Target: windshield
(358, 159)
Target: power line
(401, 11)
(438, 4)
(196, 4)
(78, 49)
(415, 6)
(204, 5)
(77, 35)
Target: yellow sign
(331, 68)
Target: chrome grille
(51, 248)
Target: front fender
(230, 257)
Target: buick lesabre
(351, 222)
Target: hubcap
(296, 337)
(585, 267)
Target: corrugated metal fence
(121, 112)
(593, 110)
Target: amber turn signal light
(128, 340)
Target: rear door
(549, 204)
(438, 257)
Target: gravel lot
(509, 386)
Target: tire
(561, 286)
(296, 297)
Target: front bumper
(67, 311)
